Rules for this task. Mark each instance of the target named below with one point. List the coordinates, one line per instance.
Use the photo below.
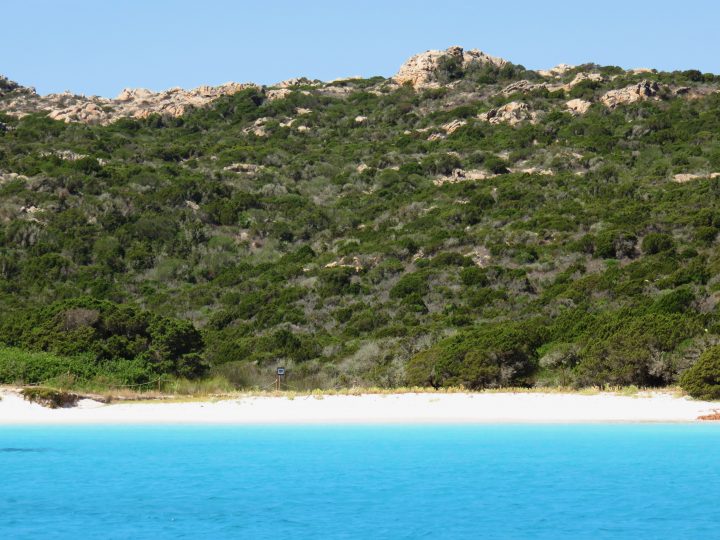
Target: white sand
(371, 408)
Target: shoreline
(405, 408)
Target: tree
(702, 380)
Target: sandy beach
(371, 408)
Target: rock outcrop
(421, 70)
(298, 81)
(10, 177)
(258, 129)
(641, 91)
(243, 168)
(431, 69)
(280, 93)
(461, 175)
(346, 262)
(689, 177)
(7, 86)
(511, 113)
(453, 126)
(533, 170)
(16, 100)
(578, 106)
(441, 132)
(522, 87)
(525, 86)
(582, 77)
(557, 71)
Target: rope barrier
(115, 386)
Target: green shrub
(109, 332)
(657, 242)
(677, 301)
(49, 397)
(23, 367)
(628, 349)
(474, 276)
(334, 281)
(485, 357)
(496, 165)
(702, 380)
(615, 244)
(706, 235)
(410, 284)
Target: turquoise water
(497, 481)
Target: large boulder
(422, 70)
(578, 106)
(87, 112)
(641, 91)
(511, 113)
(557, 71)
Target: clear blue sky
(102, 46)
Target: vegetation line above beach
(478, 225)
(204, 391)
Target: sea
(592, 481)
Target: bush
(409, 284)
(677, 301)
(486, 357)
(706, 235)
(334, 281)
(702, 380)
(657, 242)
(22, 367)
(629, 349)
(449, 68)
(107, 332)
(496, 165)
(450, 259)
(584, 89)
(474, 276)
(48, 397)
(615, 245)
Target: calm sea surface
(496, 481)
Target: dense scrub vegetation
(702, 380)
(228, 241)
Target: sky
(102, 46)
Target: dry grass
(218, 388)
(631, 391)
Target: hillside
(466, 222)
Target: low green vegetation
(181, 250)
(49, 397)
(702, 380)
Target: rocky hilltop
(131, 103)
(432, 69)
(423, 70)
